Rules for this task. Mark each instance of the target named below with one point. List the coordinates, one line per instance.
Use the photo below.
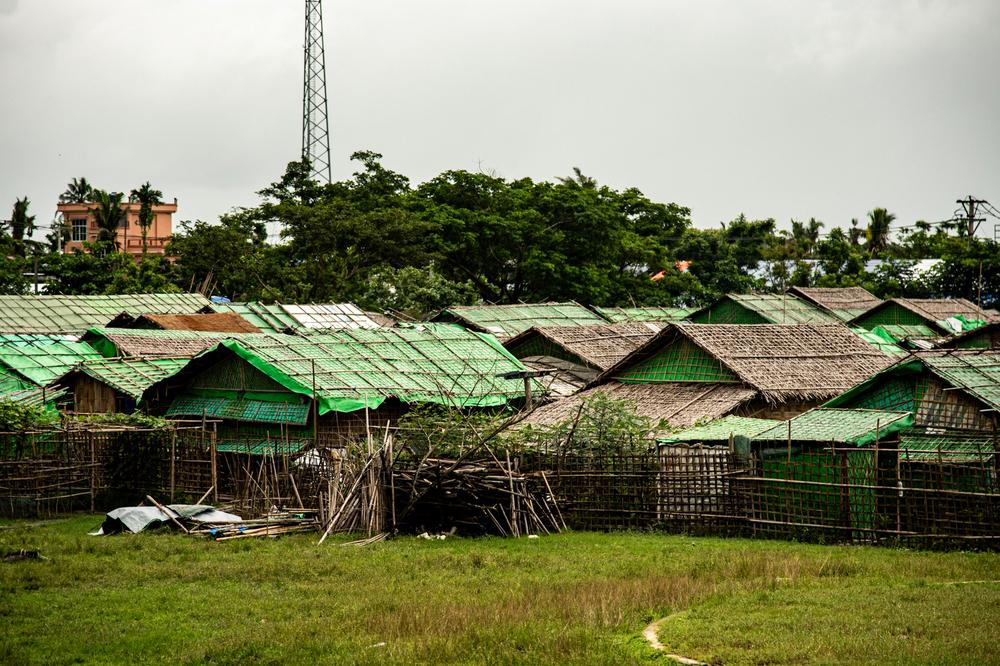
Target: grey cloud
(772, 107)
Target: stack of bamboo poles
(476, 496)
(272, 525)
(367, 503)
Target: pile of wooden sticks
(273, 524)
(486, 496)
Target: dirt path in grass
(650, 634)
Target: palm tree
(579, 180)
(806, 235)
(21, 225)
(147, 197)
(108, 215)
(78, 191)
(877, 233)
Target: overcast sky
(773, 108)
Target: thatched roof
(217, 322)
(805, 362)
(845, 303)
(151, 343)
(564, 377)
(676, 404)
(937, 309)
(599, 346)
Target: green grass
(573, 598)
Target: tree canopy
(460, 237)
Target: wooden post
(93, 471)
(215, 468)
(527, 393)
(173, 463)
(899, 493)
(315, 407)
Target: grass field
(567, 599)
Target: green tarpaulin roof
(976, 372)
(946, 448)
(778, 309)
(883, 342)
(618, 315)
(130, 376)
(901, 332)
(352, 369)
(719, 430)
(859, 427)
(263, 446)
(506, 321)
(43, 359)
(279, 317)
(75, 314)
(240, 409)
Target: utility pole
(970, 206)
(315, 122)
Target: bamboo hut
(942, 316)
(331, 389)
(114, 385)
(693, 372)
(573, 356)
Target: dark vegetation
(461, 237)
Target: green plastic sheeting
(859, 427)
(42, 360)
(355, 369)
(762, 309)
(720, 430)
(263, 446)
(660, 314)
(240, 409)
(130, 376)
(75, 314)
(506, 321)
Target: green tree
(108, 216)
(146, 197)
(877, 233)
(100, 270)
(841, 263)
(78, 191)
(415, 292)
(21, 225)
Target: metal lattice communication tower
(315, 122)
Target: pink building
(80, 220)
